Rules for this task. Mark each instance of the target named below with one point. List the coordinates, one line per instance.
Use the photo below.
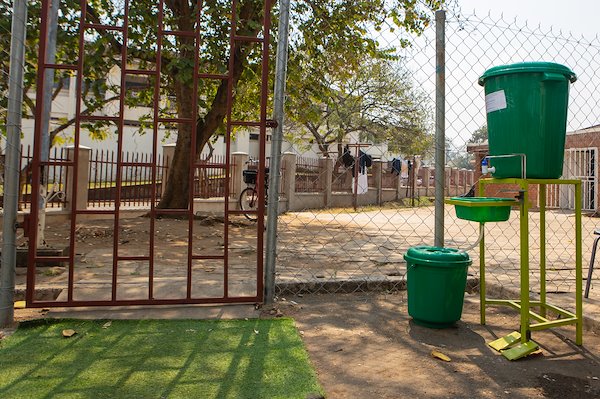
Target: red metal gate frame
(37, 164)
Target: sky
(577, 16)
(515, 31)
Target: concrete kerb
(348, 286)
(390, 284)
(158, 312)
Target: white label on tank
(495, 101)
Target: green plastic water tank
(436, 281)
(526, 106)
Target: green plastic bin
(437, 278)
(526, 106)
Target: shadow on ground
(366, 345)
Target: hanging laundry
(396, 166)
(362, 185)
(365, 161)
(347, 158)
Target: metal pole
(46, 110)
(278, 116)
(440, 125)
(11, 170)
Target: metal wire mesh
(4, 54)
(5, 46)
(337, 241)
(357, 200)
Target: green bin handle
(554, 77)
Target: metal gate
(579, 163)
(179, 267)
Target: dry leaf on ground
(440, 355)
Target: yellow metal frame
(524, 305)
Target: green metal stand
(524, 305)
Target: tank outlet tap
(485, 168)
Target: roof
(591, 129)
(478, 147)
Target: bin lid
(436, 254)
(521, 67)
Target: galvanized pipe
(440, 125)
(275, 165)
(46, 111)
(264, 89)
(11, 168)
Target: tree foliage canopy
(480, 135)
(331, 43)
(343, 81)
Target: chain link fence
(5, 56)
(5, 44)
(348, 238)
(358, 194)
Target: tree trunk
(338, 159)
(176, 194)
(324, 148)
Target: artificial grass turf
(156, 359)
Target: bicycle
(249, 196)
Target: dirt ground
(367, 346)
(93, 268)
(315, 247)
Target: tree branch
(205, 127)
(70, 122)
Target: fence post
(416, 169)
(378, 176)
(78, 200)
(426, 173)
(447, 179)
(399, 184)
(325, 179)
(168, 155)
(288, 160)
(417, 165)
(440, 124)
(456, 179)
(50, 58)
(238, 162)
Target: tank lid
(437, 254)
(521, 67)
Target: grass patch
(156, 359)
